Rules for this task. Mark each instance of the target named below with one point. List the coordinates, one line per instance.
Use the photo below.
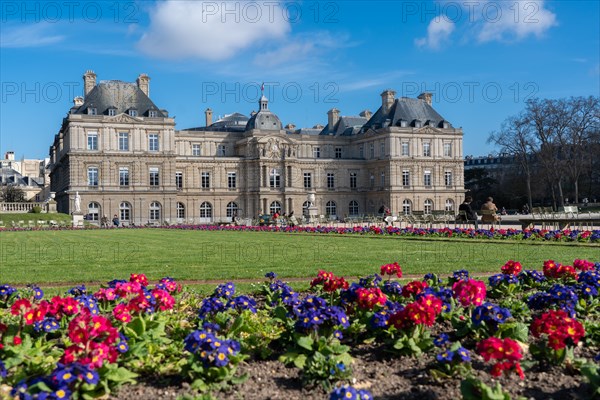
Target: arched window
(428, 206)
(94, 211)
(154, 211)
(406, 207)
(125, 211)
(331, 208)
(449, 205)
(353, 208)
(232, 208)
(205, 210)
(180, 210)
(275, 208)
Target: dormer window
(417, 123)
(112, 112)
(152, 113)
(92, 111)
(133, 112)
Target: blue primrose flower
(226, 290)
(445, 356)
(2, 370)
(6, 291)
(62, 392)
(64, 375)
(464, 354)
(271, 275)
(50, 324)
(461, 274)
(210, 327)
(349, 393)
(78, 290)
(38, 293)
(441, 340)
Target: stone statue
(77, 202)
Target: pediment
(428, 129)
(124, 118)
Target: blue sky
(481, 59)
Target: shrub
(36, 210)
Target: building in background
(124, 156)
(31, 176)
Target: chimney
(89, 81)
(78, 101)
(208, 115)
(9, 156)
(426, 97)
(332, 117)
(366, 114)
(387, 99)
(143, 82)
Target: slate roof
(235, 122)
(345, 126)
(407, 109)
(9, 176)
(120, 95)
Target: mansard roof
(235, 122)
(345, 126)
(409, 110)
(119, 95)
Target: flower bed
(566, 235)
(339, 340)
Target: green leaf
(306, 342)
(300, 361)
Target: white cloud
(210, 30)
(513, 20)
(438, 33)
(35, 35)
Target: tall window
(196, 150)
(372, 150)
(448, 178)
(205, 180)
(275, 207)
(405, 177)
(449, 206)
(123, 176)
(331, 208)
(307, 180)
(361, 152)
(428, 206)
(125, 211)
(406, 207)
(94, 211)
(231, 180)
(353, 180)
(353, 208)
(92, 141)
(221, 150)
(180, 211)
(153, 142)
(427, 178)
(179, 180)
(92, 175)
(330, 180)
(205, 210)
(372, 181)
(154, 211)
(316, 152)
(405, 149)
(426, 149)
(448, 149)
(382, 179)
(154, 176)
(381, 149)
(123, 141)
(338, 152)
(232, 208)
(274, 178)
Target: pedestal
(312, 214)
(77, 220)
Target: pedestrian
(116, 221)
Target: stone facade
(125, 157)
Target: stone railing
(15, 208)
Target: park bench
(568, 216)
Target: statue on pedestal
(77, 202)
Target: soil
(384, 375)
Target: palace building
(124, 156)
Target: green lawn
(8, 218)
(102, 255)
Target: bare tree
(515, 137)
(12, 194)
